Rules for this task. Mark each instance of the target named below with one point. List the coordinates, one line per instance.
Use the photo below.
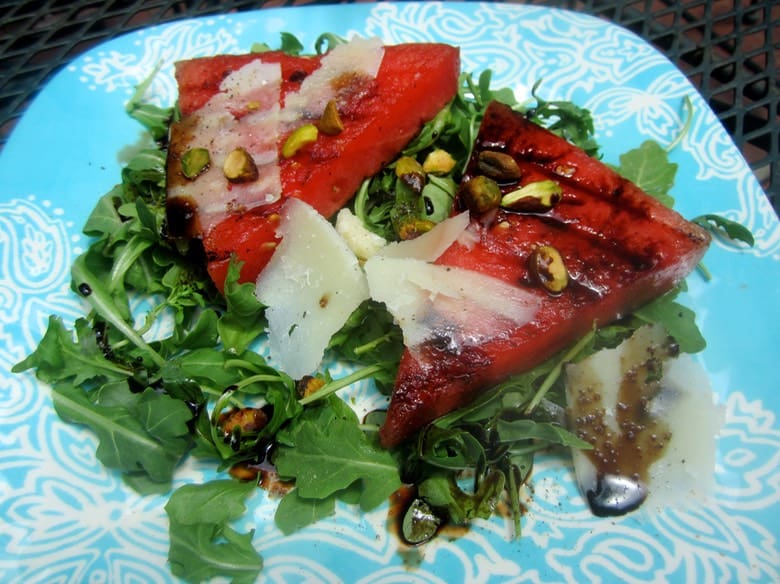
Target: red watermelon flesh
(414, 82)
(621, 246)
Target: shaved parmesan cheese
(246, 112)
(311, 286)
(652, 422)
(341, 67)
(429, 246)
(216, 128)
(430, 301)
(688, 465)
(314, 282)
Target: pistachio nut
(412, 227)
(194, 162)
(330, 121)
(535, 197)
(498, 166)
(547, 266)
(480, 194)
(239, 166)
(408, 165)
(438, 162)
(302, 136)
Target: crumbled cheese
(361, 241)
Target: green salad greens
(151, 403)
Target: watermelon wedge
(621, 248)
(380, 115)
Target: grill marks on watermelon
(380, 116)
(621, 246)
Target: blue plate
(65, 518)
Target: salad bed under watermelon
(203, 390)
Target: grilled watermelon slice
(622, 248)
(380, 115)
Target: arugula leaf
(441, 490)
(155, 119)
(202, 544)
(514, 430)
(148, 434)
(732, 229)
(679, 321)
(438, 197)
(143, 177)
(285, 407)
(202, 334)
(648, 167)
(244, 319)
(114, 309)
(450, 448)
(58, 357)
(370, 335)
(295, 512)
(327, 41)
(564, 119)
(290, 44)
(104, 222)
(325, 451)
(205, 365)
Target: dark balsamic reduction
(616, 495)
(181, 213)
(297, 76)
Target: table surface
(729, 49)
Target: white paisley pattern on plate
(115, 70)
(66, 518)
